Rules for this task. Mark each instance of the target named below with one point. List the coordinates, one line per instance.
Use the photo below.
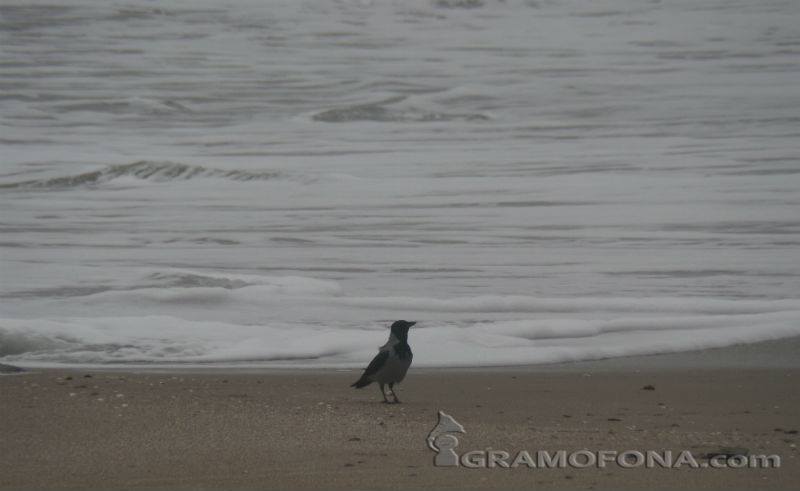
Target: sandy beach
(306, 429)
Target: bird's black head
(400, 329)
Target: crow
(391, 363)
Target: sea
(267, 183)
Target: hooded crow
(391, 363)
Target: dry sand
(278, 429)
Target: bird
(391, 363)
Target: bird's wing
(376, 364)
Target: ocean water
(272, 183)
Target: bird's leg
(391, 388)
(383, 393)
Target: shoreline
(772, 354)
(307, 429)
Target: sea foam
(277, 321)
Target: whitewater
(272, 183)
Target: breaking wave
(170, 340)
(144, 170)
(193, 317)
(383, 112)
(458, 4)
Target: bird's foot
(396, 401)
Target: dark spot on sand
(648, 387)
(790, 432)
(354, 439)
(81, 386)
(614, 419)
(778, 429)
(566, 416)
(67, 378)
(88, 375)
(349, 464)
(94, 394)
(10, 368)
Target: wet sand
(306, 429)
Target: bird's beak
(411, 323)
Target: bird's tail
(362, 382)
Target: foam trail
(197, 318)
(144, 170)
(109, 340)
(519, 303)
